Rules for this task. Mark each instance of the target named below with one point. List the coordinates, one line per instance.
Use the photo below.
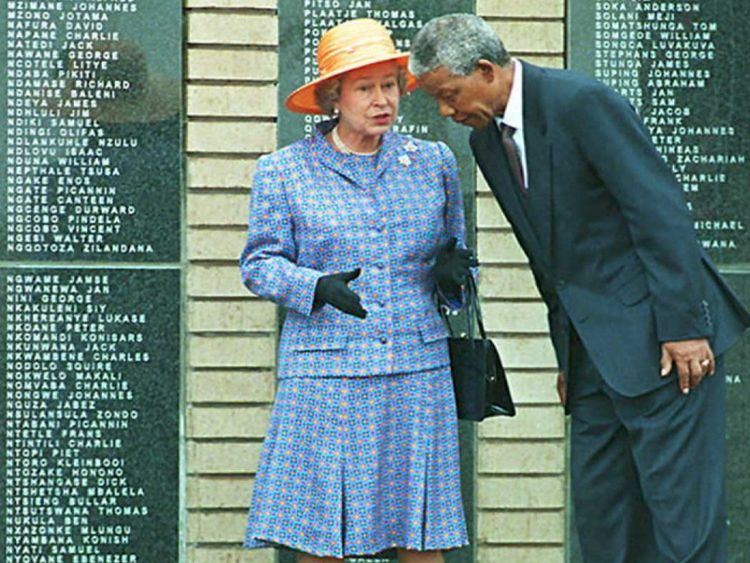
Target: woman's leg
(307, 558)
(408, 556)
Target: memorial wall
(683, 66)
(90, 236)
(90, 280)
(301, 24)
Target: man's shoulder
(563, 76)
(563, 93)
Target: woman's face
(368, 100)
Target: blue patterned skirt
(355, 466)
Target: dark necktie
(514, 158)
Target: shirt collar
(513, 115)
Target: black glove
(452, 267)
(332, 289)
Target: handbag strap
(473, 298)
(473, 308)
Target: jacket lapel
(389, 151)
(538, 155)
(490, 155)
(336, 161)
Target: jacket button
(561, 284)
(380, 265)
(384, 340)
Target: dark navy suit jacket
(613, 248)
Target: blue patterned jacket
(315, 211)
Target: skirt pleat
(355, 466)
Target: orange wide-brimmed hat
(348, 46)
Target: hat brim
(302, 100)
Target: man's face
(469, 100)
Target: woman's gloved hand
(452, 267)
(333, 290)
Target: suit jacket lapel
(490, 155)
(538, 155)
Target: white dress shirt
(513, 116)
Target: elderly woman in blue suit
(353, 230)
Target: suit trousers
(647, 472)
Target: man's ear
(486, 69)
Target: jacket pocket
(634, 290)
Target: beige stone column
(521, 461)
(231, 107)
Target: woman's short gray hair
(457, 42)
(327, 93)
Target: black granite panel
(90, 107)
(90, 404)
(680, 64)
(90, 111)
(738, 424)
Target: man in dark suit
(638, 314)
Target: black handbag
(479, 381)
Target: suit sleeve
(268, 261)
(618, 147)
(455, 222)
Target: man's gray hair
(457, 42)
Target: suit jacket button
(561, 284)
(384, 340)
(379, 265)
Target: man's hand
(693, 358)
(333, 289)
(561, 391)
